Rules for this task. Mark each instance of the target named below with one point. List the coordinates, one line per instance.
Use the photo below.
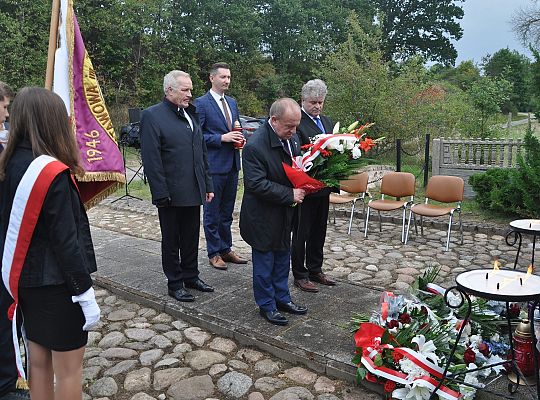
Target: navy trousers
(180, 227)
(218, 214)
(271, 278)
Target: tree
(526, 24)
(462, 76)
(419, 27)
(515, 68)
(23, 53)
(487, 95)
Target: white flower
(336, 128)
(411, 369)
(495, 338)
(493, 360)
(339, 147)
(427, 349)
(419, 390)
(356, 152)
(475, 341)
(467, 392)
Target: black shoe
(17, 394)
(181, 295)
(292, 308)
(199, 285)
(274, 317)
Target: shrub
(495, 189)
(512, 191)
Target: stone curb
(321, 363)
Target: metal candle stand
(469, 283)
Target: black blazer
(308, 128)
(267, 213)
(174, 157)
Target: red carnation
(483, 348)
(393, 324)
(469, 356)
(389, 386)
(405, 318)
(397, 356)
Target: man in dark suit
(175, 162)
(217, 115)
(268, 208)
(309, 232)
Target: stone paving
(138, 353)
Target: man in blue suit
(217, 115)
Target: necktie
(226, 111)
(319, 124)
(285, 144)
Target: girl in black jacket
(54, 289)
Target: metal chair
(394, 184)
(443, 189)
(355, 189)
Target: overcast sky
(487, 28)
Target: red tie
(226, 111)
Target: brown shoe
(218, 263)
(323, 279)
(232, 257)
(306, 285)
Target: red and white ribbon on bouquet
(400, 377)
(368, 338)
(305, 162)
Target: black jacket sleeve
(69, 234)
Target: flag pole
(53, 36)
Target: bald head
(285, 116)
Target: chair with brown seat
(443, 189)
(394, 184)
(354, 188)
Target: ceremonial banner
(76, 82)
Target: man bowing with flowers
(268, 208)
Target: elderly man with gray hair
(309, 232)
(175, 161)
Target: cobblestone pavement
(139, 354)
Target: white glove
(90, 308)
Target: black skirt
(51, 319)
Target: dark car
(250, 124)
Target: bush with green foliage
(512, 191)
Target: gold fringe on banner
(22, 384)
(102, 176)
(94, 201)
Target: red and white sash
(25, 211)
